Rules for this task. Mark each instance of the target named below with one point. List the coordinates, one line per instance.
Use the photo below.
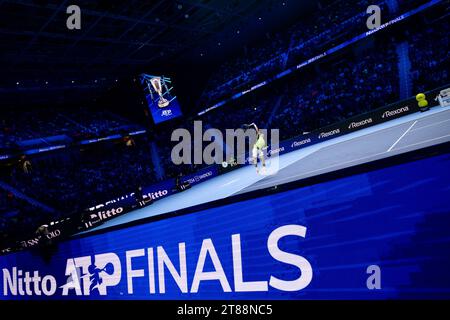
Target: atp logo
(95, 276)
(166, 113)
(92, 275)
(100, 275)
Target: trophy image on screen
(156, 84)
(160, 96)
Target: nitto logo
(156, 195)
(152, 195)
(149, 269)
(109, 213)
(99, 216)
(112, 201)
(300, 143)
(22, 283)
(389, 114)
(329, 133)
(354, 125)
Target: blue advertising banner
(201, 175)
(159, 190)
(377, 235)
(153, 192)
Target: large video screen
(376, 235)
(161, 99)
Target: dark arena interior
(118, 180)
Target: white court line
(272, 183)
(260, 186)
(228, 183)
(351, 140)
(424, 141)
(395, 143)
(430, 125)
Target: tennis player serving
(258, 147)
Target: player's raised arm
(247, 126)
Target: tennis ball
(423, 103)
(420, 97)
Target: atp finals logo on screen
(161, 99)
(148, 269)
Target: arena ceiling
(115, 32)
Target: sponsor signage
(360, 124)
(396, 112)
(287, 245)
(57, 147)
(202, 175)
(301, 143)
(96, 217)
(46, 149)
(111, 137)
(329, 134)
(126, 203)
(152, 192)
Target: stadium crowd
(75, 180)
(19, 218)
(340, 21)
(429, 53)
(18, 127)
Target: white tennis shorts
(257, 152)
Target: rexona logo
(392, 113)
(100, 273)
(329, 133)
(296, 144)
(276, 151)
(364, 122)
